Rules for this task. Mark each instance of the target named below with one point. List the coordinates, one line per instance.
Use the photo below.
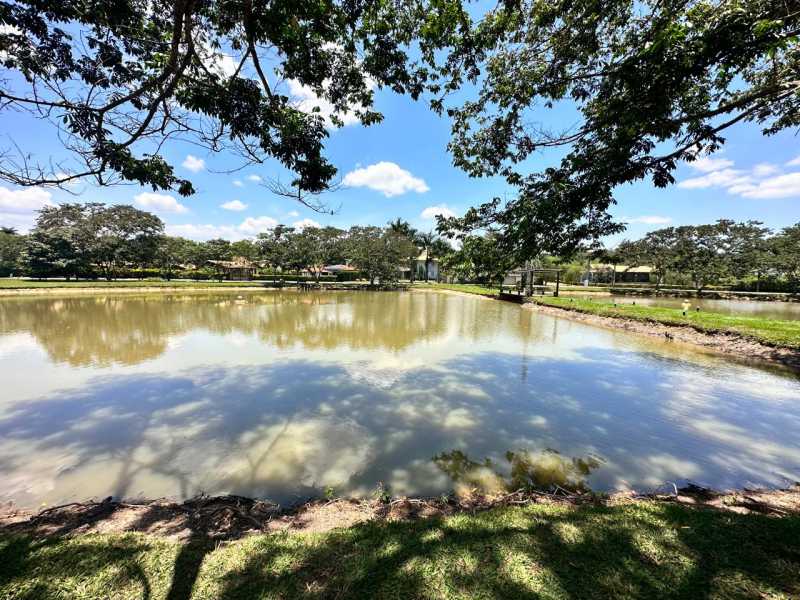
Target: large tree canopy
(654, 82)
(120, 77)
(651, 82)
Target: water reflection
(248, 398)
(523, 470)
(104, 330)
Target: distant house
(237, 268)
(419, 268)
(334, 269)
(607, 273)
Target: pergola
(528, 273)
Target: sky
(401, 168)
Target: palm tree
(403, 228)
(426, 240)
(8, 230)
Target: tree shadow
(640, 550)
(67, 563)
(668, 552)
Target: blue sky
(401, 168)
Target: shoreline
(727, 344)
(233, 517)
(723, 343)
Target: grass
(773, 332)
(636, 550)
(24, 284)
(467, 288)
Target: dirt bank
(730, 344)
(231, 517)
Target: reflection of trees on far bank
(127, 330)
(523, 470)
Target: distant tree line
(94, 240)
(746, 255)
(741, 255)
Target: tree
(480, 258)
(433, 247)
(748, 250)
(11, 246)
(656, 249)
(173, 252)
(247, 249)
(402, 228)
(377, 253)
(122, 235)
(786, 249)
(275, 246)
(314, 247)
(699, 252)
(120, 79)
(655, 83)
(76, 239)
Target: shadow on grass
(639, 550)
(659, 552)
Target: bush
(349, 276)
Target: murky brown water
(280, 394)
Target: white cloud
(706, 164)
(235, 205)
(795, 162)
(255, 178)
(204, 232)
(762, 181)
(648, 220)
(765, 170)
(306, 100)
(24, 201)
(293, 213)
(159, 203)
(238, 183)
(723, 178)
(440, 209)
(194, 164)
(255, 225)
(250, 227)
(782, 186)
(215, 60)
(302, 224)
(385, 177)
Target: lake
(280, 395)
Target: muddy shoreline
(729, 344)
(233, 517)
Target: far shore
(748, 338)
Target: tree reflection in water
(541, 471)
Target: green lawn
(638, 550)
(769, 331)
(24, 284)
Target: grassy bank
(785, 334)
(635, 550)
(32, 284)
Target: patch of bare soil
(231, 517)
(720, 343)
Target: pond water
(281, 394)
(784, 311)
